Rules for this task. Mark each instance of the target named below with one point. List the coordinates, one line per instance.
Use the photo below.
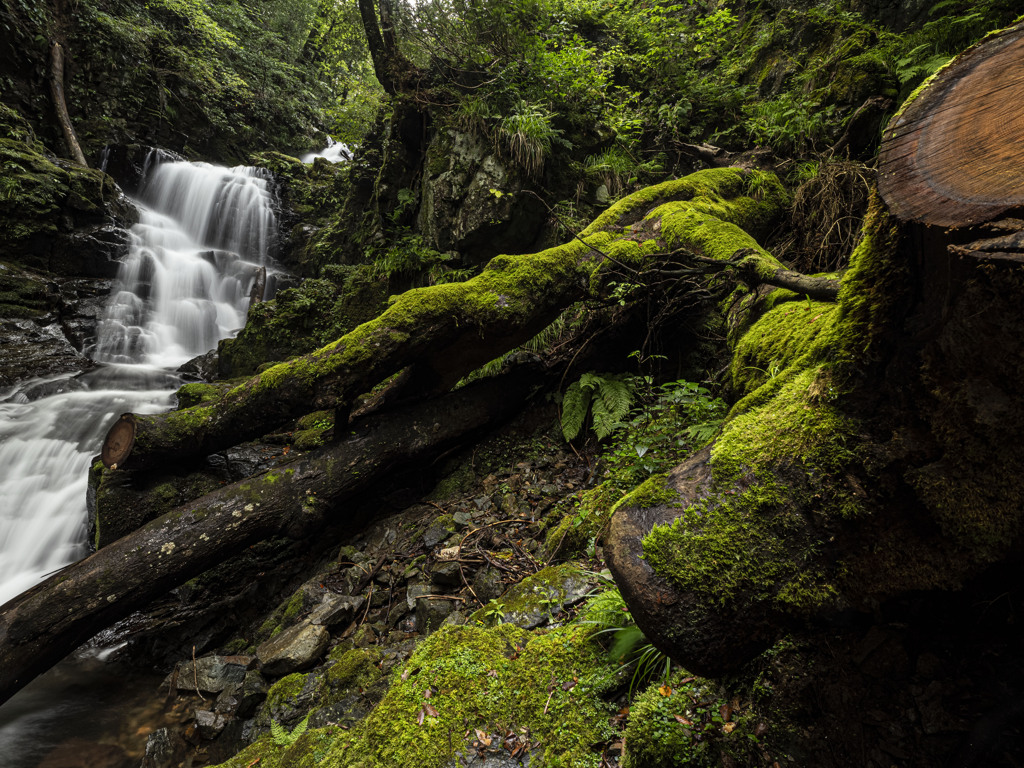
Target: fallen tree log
(881, 458)
(44, 624)
(449, 330)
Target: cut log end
(118, 444)
(953, 157)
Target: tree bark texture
(44, 624)
(450, 330)
(60, 104)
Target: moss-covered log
(449, 330)
(44, 624)
(875, 451)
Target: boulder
(164, 749)
(209, 724)
(335, 610)
(212, 674)
(469, 202)
(298, 647)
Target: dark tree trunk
(60, 104)
(394, 71)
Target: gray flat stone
(298, 647)
(212, 674)
(335, 610)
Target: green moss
(650, 493)
(681, 722)
(290, 698)
(750, 545)
(534, 598)
(774, 342)
(781, 466)
(294, 608)
(262, 752)
(196, 393)
(353, 668)
(285, 689)
(586, 521)
(493, 679)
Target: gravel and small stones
(436, 563)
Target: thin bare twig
(195, 674)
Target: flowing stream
(203, 234)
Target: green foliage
(953, 25)
(283, 737)
(629, 646)
(410, 258)
(791, 123)
(527, 136)
(606, 398)
(232, 75)
(673, 420)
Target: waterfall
(193, 255)
(204, 232)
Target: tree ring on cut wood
(953, 158)
(120, 439)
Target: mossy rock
(682, 722)
(585, 522)
(538, 598)
(25, 294)
(353, 668)
(492, 679)
(58, 217)
(291, 698)
(302, 319)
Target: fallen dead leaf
(728, 727)
(665, 690)
(683, 720)
(483, 737)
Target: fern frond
(278, 733)
(575, 404)
(300, 728)
(614, 399)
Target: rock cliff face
(63, 229)
(470, 200)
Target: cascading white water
(183, 285)
(334, 152)
(203, 233)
